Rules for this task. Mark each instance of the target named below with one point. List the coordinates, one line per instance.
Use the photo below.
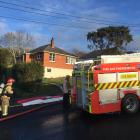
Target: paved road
(53, 123)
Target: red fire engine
(109, 84)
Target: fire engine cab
(108, 84)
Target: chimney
(27, 50)
(52, 43)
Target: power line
(66, 26)
(56, 10)
(27, 11)
(28, 2)
(39, 22)
(45, 23)
(50, 15)
(46, 14)
(68, 15)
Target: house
(97, 53)
(56, 62)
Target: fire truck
(108, 84)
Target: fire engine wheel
(130, 104)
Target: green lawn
(58, 81)
(48, 87)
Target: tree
(17, 42)
(6, 59)
(6, 62)
(8, 41)
(109, 37)
(24, 40)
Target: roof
(96, 53)
(50, 49)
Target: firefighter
(66, 91)
(8, 91)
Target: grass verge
(48, 87)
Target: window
(38, 57)
(48, 70)
(52, 57)
(70, 60)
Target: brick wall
(27, 58)
(60, 61)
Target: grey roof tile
(50, 49)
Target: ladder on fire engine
(83, 72)
(87, 84)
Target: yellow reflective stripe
(110, 86)
(126, 84)
(99, 86)
(132, 82)
(139, 83)
(105, 86)
(121, 85)
(115, 86)
(136, 83)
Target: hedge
(28, 72)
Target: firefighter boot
(5, 110)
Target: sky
(69, 21)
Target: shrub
(30, 72)
(6, 58)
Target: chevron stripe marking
(126, 84)
(105, 86)
(136, 83)
(121, 84)
(100, 86)
(114, 85)
(110, 85)
(132, 82)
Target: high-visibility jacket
(8, 90)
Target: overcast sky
(68, 21)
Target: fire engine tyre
(130, 104)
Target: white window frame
(52, 57)
(70, 60)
